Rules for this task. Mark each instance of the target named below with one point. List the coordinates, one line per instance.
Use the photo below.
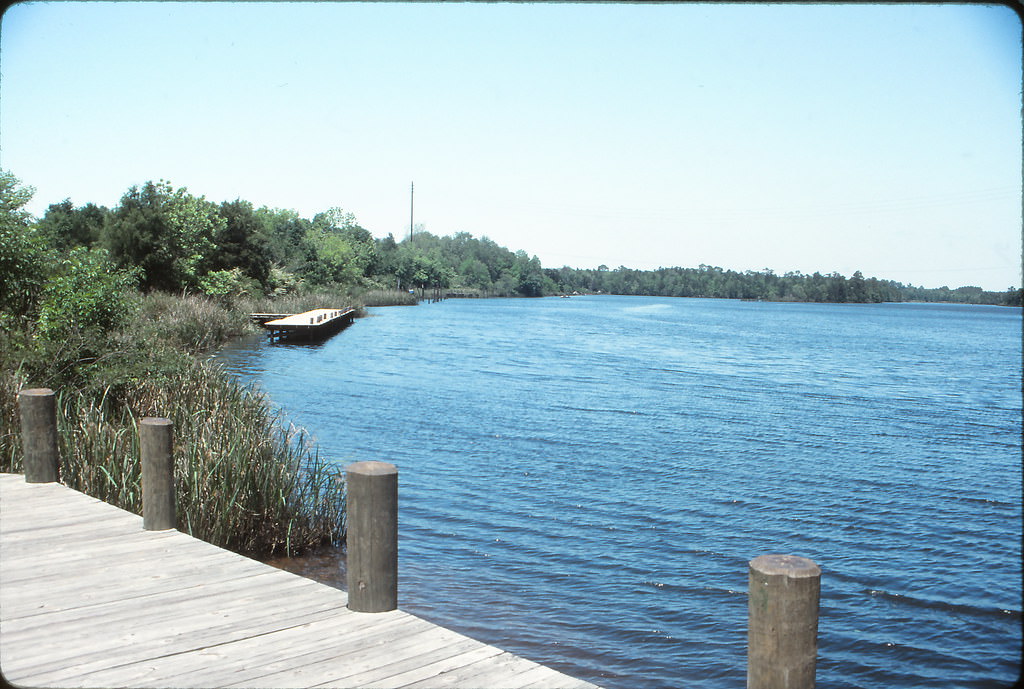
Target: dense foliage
(176, 241)
(73, 320)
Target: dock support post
(156, 441)
(372, 536)
(38, 407)
(782, 635)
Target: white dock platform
(90, 599)
(309, 318)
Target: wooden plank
(88, 598)
(112, 583)
(111, 589)
(489, 672)
(131, 620)
(564, 682)
(127, 645)
(253, 656)
(369, 653)
(437, 667)
(106, 555)
(374, 677)
(71, 613)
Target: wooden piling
(39, 443)
(156, 442)
(372, 536)
(782, 635)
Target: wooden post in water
(782, 634)
(39, 435)
(156, 443)
(372, 536)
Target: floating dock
(308, 325)
(90, 599)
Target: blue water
(583, 481)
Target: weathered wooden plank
(410, 659)
(196, 619)
(126, 647)
(238, 661)
(71, 613)
(563, 682)
(125, 566)
(538, 673)
(490, 672)
(116, 585)
(104, 557)
(88, 598)
(435, 668)
(369, 653)
(22, 529)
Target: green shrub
(85, 294)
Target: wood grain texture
(89, 598)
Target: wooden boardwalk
(90, 599)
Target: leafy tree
(66, 227)
(85, 297)
(857, 291)
(473, 273)
(530, 278)
(345, 252)
(22, 251)
(229, 283)
(167, 233)
(284, 233)
(239, 244)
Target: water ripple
(584, 481)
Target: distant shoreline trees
(171, 240)
(718, 283)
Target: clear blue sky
(880, 138)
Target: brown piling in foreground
(372, 536)
(156, 441)
(38, 407)
(782, 635)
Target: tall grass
(191, 323)
(324, 298)
(388, 297)
(246, 479)
(297, 302)
(11, 382)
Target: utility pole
(412, 189)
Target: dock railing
(783, 596)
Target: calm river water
(583, 481)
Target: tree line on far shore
(165, 238)
(766, 285)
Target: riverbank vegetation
(75, 321)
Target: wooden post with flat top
(782, 634)
(371, 541)
(38, 407)
(156, 444)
